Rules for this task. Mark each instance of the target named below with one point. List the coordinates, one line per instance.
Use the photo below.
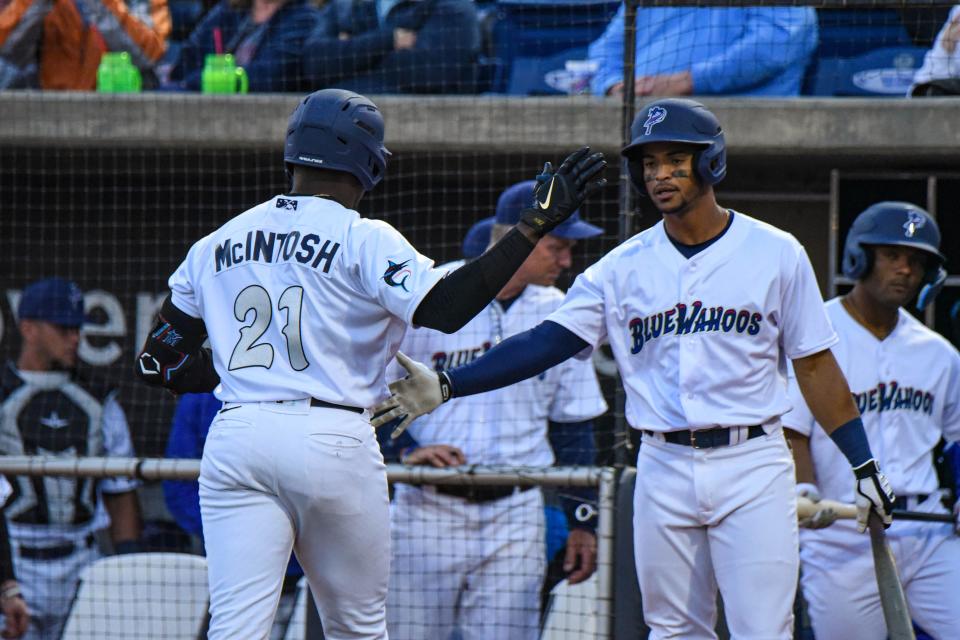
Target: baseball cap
(478, 238)
(53, 300)
(518, 197)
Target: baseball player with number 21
(304, 303)
(906, 381)
(700, 311)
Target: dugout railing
(601, 478)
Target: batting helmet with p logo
(678, 120)
(898, 224)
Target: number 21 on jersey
(256, 299)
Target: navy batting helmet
(678, 120)
(901, 224)
(339, 130)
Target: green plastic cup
(222, 75)
(118, 74)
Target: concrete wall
(862, 129)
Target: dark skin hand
(436, 455)
(582, 554)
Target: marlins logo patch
(656, 115)
(397, 273)
(914, 222)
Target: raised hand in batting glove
(824, 516)
(422, 391)
(559, 193)
(872, 492)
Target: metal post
(627, 213)
(605, 508)
(833, 239)
(930, 313)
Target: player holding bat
(905, 380)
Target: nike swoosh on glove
(559, 193)
(872, 492)
(823, 517)
(422, 391)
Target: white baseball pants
(840, 585)
(477, 567)
(276, 476)
(723, 517)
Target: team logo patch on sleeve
(285, 203)
(397, 273)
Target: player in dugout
(906, 382)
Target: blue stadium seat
(882, 72)
(532, 38)
(845, 33)
(849, 33)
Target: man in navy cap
(51, 410)
(474, 557)
(477, 238)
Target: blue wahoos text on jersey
(269, 247)
(682, 320)
(890, 396)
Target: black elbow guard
(172, 356)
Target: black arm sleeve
(173, 357)
(456, 299)
(6, 559)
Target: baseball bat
(892, 600)
(806, 508)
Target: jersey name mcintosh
(696, 318)
(268, 247)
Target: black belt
(57, 552)
(706, 438)
(902, 502)
(330, 405)
(472, 493)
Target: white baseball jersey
(507, 426)
(682, 329)
(303, 298)
(907, 388)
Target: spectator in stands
(760, 51)
(57, 44)
(266, 38)
(191, 422)
(474, 557)
(406, 46)
(50, 409)
(940, 73)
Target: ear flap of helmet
(935, 283)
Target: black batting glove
(559, 193)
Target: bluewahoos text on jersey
(447, 360)
(682, 320)
(268, 247)
(890, 396)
